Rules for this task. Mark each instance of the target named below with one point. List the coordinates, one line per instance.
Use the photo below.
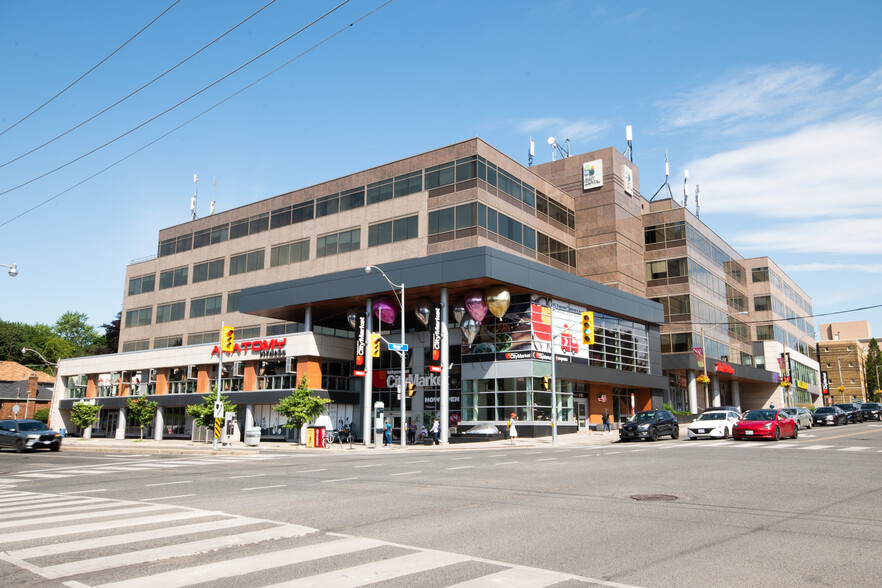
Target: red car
(768, 422)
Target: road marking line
(504, 462)
(610, 452)
(85, 491)
(636, 450)
(46, 476)
(264, 487)
(36, 522)
(460, 468)
(532, 452)
(168, 497)
(406, 473)
(846, 435)
(516, 578)
(815, 447)
(60, 505)
(339, 480)
(248, 476)
(460, 458)
(169, 483)
(310, 471)
(417, 461)
(547, 459)
(584, 455)
(221, 570)
(368, 465)
(855, 448)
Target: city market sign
(261, 347)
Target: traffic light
(588, 328)
(227, 340)
(375, 345)
(410, 389)
(545, 382)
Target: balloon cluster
(477, 303)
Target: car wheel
(811, 424)
(725, 433)
(653, 434)
(20, 446)
(795, 432)
(675, 432)
(777, 434)
(55, 447)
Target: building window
(172, 278)
(393, 231)
(247, 332)
(441, 221)
(208, 306)
(289, 253)
(210, 270)
(166, 313)
(761, 303)
(136, 345)
(139, 317)
(338, 243)
(765, 333)
(233, 299)
(206, 337)
(163, 342)
(380, 191)
(142, 284)
(408, 184)
(440, 175)
(283, 329)
(247, 262)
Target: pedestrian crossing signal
(588, 328)
(410, 389)
(375, 345)
(227, 340)
(545, 382)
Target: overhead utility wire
(206, 111)
(169, 109)
(805, 316)
(71, 85)
(121, 100)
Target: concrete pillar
(307, 319)
(249, 416)
(445, 373)
(367, 405)
(121, 424)
(692, 386)
(736, 394)
(158, 423)
(715, 390)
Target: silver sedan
(801, 415)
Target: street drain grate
(655, 497)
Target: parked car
(854, 415)
(650, 424)
(730, 407)
(830, 415)
(28, 434)
(801, 415)
(714, 424)
(767, 422)
(872, 411)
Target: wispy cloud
(873, 268)
(841, 236)
(576, 130)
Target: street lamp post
(401, 353)
(13, 269)
(24, 350)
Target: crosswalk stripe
(78, 516)
(30, 499)
(378, 571)
(516, 578)
(816, 447)
(855, 448)
(170, 551)
(69, 507)
(44, 476)
(99, 542)
(247, 565)
(40, 533)
(60, 501)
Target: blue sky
(774, 107)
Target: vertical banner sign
(435, 339)
(787, 368)
(825, 384)
(360, 337)
(699, 356)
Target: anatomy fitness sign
(262, 347)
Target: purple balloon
(476, 305)
(386, 309)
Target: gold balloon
(498, 300)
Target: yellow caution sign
(217, 428)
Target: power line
(121, 100)
(806, 316)
(206, 111)
(93, 68)
(185, 100)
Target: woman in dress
(512, 430)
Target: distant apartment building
(841, 354)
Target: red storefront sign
(259, 346)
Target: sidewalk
(185, 447)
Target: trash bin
(321, 439)
(61, 432)
(252, 436)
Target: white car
(714, 424)
(801, 415)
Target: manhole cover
(656, 497)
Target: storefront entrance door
(110, 423)
(581, 412)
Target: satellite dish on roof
(551, 140)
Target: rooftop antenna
(193, 199)
(629, 137)
(563, 150)
(685, 188)
(697, 202)
(666, 184)
(531, 152)
(214, 201)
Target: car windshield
(712, 416)
(643, 416)
(871, 405)
(31, 427)
(789, 410)
(845, 406)
(759, 415)
(824, 410)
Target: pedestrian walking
(387, 433)
(436, 428)
(512, 429)
(606, 427)
(411, 432)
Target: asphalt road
(720, 513)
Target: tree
(203, 414)
(301, 407)
(143, 411)
(74, 328)
(111, 335)
(42, 415)
(873, 369)
(84, 415)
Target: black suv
(872, 410)
(650, 424)
(28, 434)
(854, 413)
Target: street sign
(218, 410)
(15, 409)
(397, 346)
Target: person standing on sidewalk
(387, 433)
(606, 427)
(512, 430)
(436, 429)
